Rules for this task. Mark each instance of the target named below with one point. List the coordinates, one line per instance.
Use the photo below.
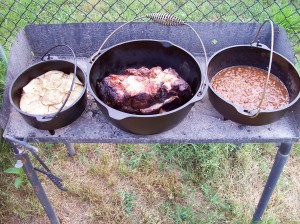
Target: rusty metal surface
(202, 125)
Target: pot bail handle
(254, 112)
(167, 20)
(47, 118)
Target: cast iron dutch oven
(62, 117)
(260, 56)
(149, 53)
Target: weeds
(20, 173)
(135, 157)
(127, 201)
(199, 161)
(217, 169)
(179, 213)
(3, 67)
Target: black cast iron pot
(255, 55)
(149, 53)
(64, 116)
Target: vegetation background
(124, 183)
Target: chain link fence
(15, 15)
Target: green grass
(6, 158)
(2, 78)
(128, 199)
(136, 159)
(199, 161)
(3, 67)
(180, 214)
(207, 166)
(213, 169)
(7, 181)
(20, 13)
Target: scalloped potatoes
(47, 93)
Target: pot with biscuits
(50, 94)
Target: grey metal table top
(202, 125)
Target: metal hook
(269, 67)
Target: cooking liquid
(244, 85)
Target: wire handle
(165, 19)
(255, 40)
(50, 117)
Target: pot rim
(41, 115)
(236, 106)
(124, 115)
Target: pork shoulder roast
(144, 91)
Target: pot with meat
(145, 86)
(252, 84)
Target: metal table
(202, 125)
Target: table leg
(238, 146)
(1, 135)
(280, 160)
(36, 184)
(71, 150)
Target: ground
(118, 183)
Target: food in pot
(47, 93)
(144, 91)
(244, 85)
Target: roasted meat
(144, 91)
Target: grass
(2, 77)
(19, 13)
(125, 183)
(127, 201)
(194, 183)
(3, 67)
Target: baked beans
(244, 85)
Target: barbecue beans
(244, 85)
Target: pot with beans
(252, 84)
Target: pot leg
(36, 184)
(71, 150)
(280, 160)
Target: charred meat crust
(144, 91)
